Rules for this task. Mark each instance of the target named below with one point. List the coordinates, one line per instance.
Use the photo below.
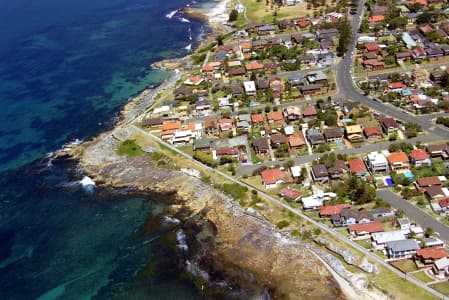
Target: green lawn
(422, 276)
(405, 265)
(365, 243)
(398, 287)
(130, 148)
(442, 287)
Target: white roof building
(250, 87)
(296, 171)
(377, 162)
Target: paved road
(348, 90)
(414, 213)
(331, 232)
(248, 169)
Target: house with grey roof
(402, 249)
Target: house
(231, 152)
(152, 122)
(372, 133)
(275, 117)
(211, 126)
(373, 64)
(403, 56)
(398, 161)
(418, 53)
(290, 193)
(181, 137)
(377, 162)
(427, 256)
(196, 128)
(338, 169)
(310, 89)
(380, 239)
(332, 134)
(315, 137)
(312, 202)
(432, 242)
(425, 182)
(382, 212)
(261, 146)
(354, 133)
(372, 48)
(262, 83)
(292, 113)
(297, 140)
(203, 145)
(319, 173)
(226, 125)
(303, 22)
(266, 29)
(420, 158)
(278, 140)
(237, 71)
(325, 106)
(330, 210)
(350, 216)
(250, 87)
(169, 129)
(243, 125)
(402, 248)
(396, 86)
(260, 44)
(388, 124)
(296, 79)
(309, 112)
(404, 223)
(202, 107)
(194, 80)
(257, 119)
(434, 192)
(357, 168)
(364, 230)
(254, 66)
(236, 90)
(271, 178)
(375, 19)
(318, 77)
(439, 150)
(441, 267)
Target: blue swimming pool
(409, 174)
(389, 181)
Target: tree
(220, 40)
(345, 36)
(233, 15)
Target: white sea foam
(171, 14)
(195, 270)
(190, 34)
(184, 20)
(188, 47)
(87, 181)
(171, 220)
(181, 240)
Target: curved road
(347, 89)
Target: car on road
(353, 11)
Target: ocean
(66, 69)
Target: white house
(182, 137)
(250, 87)
(377, 162)
(441, 267)
(380, 239)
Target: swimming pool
(409, 174)
(389, 181)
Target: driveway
(414, 213)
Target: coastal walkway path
(300, 214)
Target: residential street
(414, 213)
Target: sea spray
(181, 240)
(171, 14)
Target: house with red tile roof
(428, 256)
(254, 66)
(169, 129)
(275, 117)
(373, 64)
(376, 19)
(396, 86)
(309, 112)
(303, 22)
(194, 80)
(372, 133)
(290, 193)
(271, 178)
(425, 182)
(226, 125)
(330, 210)
(297, 140)
(357, 168)
(364, 230)
(420, 158)
(372, 47)
(257, 119)
(398, 161)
